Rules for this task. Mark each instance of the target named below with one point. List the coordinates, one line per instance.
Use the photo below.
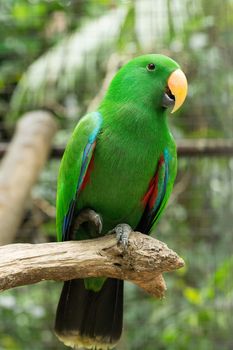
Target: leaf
(193, 295)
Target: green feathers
(121, 163)
(124, 142)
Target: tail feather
(90, 319)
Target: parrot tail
(88, 319)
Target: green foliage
(127, 37)
(23, 37)
(28, 29)
(25, 318)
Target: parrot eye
(150, 67)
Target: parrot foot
(90, 217)
(122, 232)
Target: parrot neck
(136, 118)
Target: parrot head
(154, 81)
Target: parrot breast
(120, 172)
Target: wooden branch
(185, 148)
(205, 147)
(142, 263)
(21, 166)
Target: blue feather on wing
(86, 158)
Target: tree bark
(20, 168)
(142, 263)
(185, 148)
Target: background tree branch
(185, 148)
(142, 263)
(21, 166)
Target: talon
(122, 232)
(91, 217)
(97, 222)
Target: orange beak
(178, 86)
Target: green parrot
(116, 175)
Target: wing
(158, 192)
(74, 170)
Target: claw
(122, 232)
(96, 220)
(91, 217)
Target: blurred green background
(54, 54)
